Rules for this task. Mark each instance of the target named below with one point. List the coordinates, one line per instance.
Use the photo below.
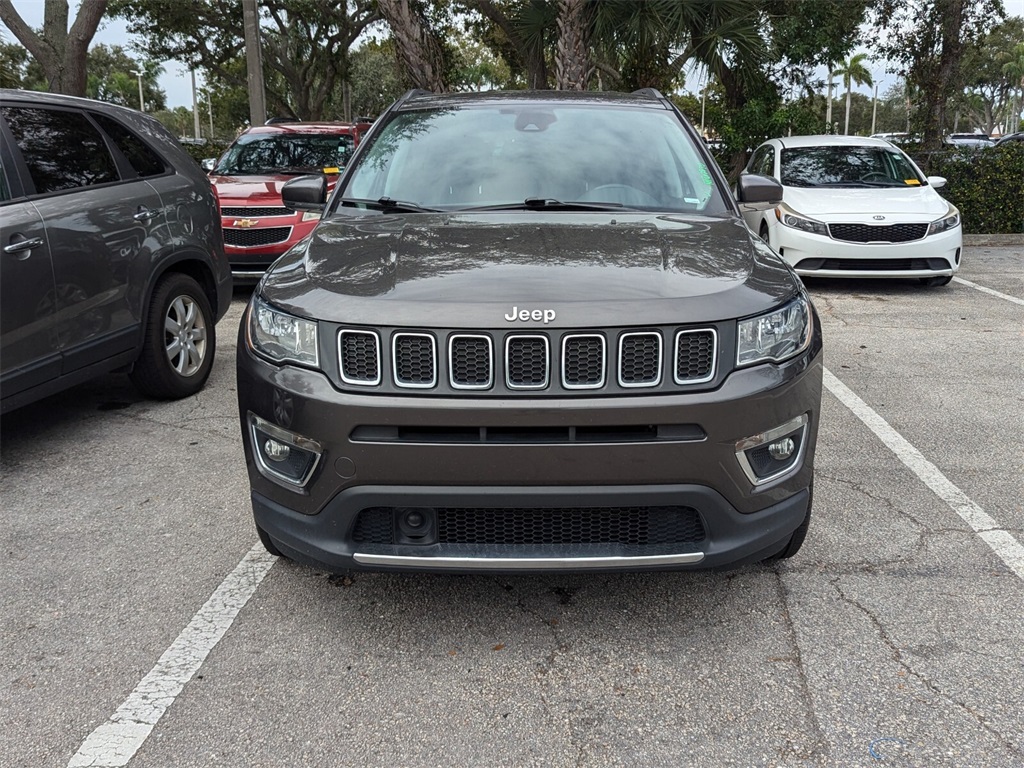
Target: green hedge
(201, 152)
(986, 184)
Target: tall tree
(305, 44)
(416, 43)
(853, 71)
(60, 51)
(928, 38)
(572, 55)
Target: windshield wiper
(387, 205)
(859, 183)
(550, 204)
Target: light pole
(874, 109)
(703, 101)
(139, 73)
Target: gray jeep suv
(111, 254)
(531, 332)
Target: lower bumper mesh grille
(626, 526)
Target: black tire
(936, 282)
(175, 365)
(268, 543)
(797, 539)
(763, 232)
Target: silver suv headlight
(775, 336)
(281, 337)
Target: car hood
(249, 189)
(471, 270)
(862, 203)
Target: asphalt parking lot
(895, 637)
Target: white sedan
(855, 207)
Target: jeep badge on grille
(537, 315)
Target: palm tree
(1013, 69)
(853, 71)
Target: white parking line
(989, 291)
(1009, 550)
(116, 741)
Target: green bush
(986, 184)
(201, 152)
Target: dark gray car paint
(468, 270)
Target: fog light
(415, 525)
(276, 451)
(773, 454)
(283, 456)
(781, 450)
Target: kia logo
(878, 218)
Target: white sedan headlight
(791, 218)
(280, 336)
(950, 221)
(775, 336)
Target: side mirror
(208, 164)
(305, 193)
(937, 181)
(757, 193)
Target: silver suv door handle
(23, 245)
(144, 214)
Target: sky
(177, 84)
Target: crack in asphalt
(936, 690)
(820, 751)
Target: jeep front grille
(640, 359)
(610, 361)
(526, 362)
(414, 362)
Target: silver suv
(111, 253)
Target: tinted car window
(256, 154)
(502, 154)
(847, 166)
(63, 149)
(5, 190)
(144, 160)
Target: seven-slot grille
(870, 233)
(573, 361)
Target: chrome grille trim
(713, 369)
(341, 357)
(547, 360)
(451, 358)
(604, 360)
(640, 384)
(394, 361)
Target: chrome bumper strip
(529, 563)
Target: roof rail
(652, 93)
(408, 95)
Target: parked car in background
(974, 140)
(856, 207)
(111, 256)
(515, 343)
(248, 178)
(1011, 138)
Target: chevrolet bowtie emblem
(246, 223)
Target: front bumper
(821, 256)
(355, 472)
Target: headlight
(280, 336)
(951, 221)
(792, 219)
(776, 336)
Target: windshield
(848, 167)
(551, 156)
(259, 154)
